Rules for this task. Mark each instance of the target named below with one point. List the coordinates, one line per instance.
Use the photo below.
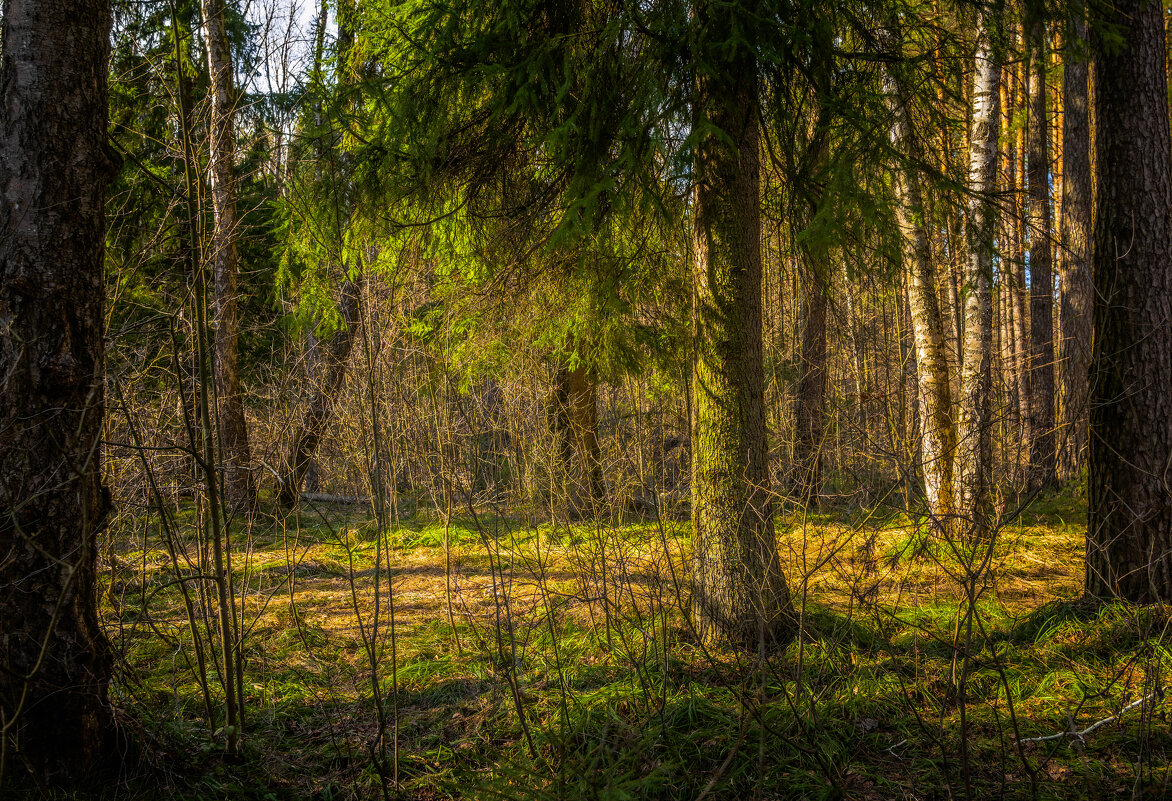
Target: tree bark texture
(810, 403)
(1008, 256)
(938, 433)
(1074, 271)
(55, 663)
(974, 411)
(739, 592)
(332, 357)
(1017, 282)
(1129, 537)
(575, 423)
(239, 491)
(1041, 366)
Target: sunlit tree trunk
(1129, 522)
(55, 663)
(974, 458)
(738, 591)
(1074, 272)
(1010, 256)
(1041, 367)
(938, 432)
(239, 490)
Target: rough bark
(810, 399)
(1010, 259)
(1074, 271)
(1129, 537)
(938, 433)
(55, 663)
(1017, 284)
(239, 490)
(974, 457)
(332, 357)
(810, 402)
(575, 423)
(1041, 366)
(738, 591)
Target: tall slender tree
(1074, 270)
(938, 431)
(55, 165)
(1041, 349)
(239, 490)
(974, 457)
(1129, 521)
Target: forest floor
(554, 662)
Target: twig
(1097, 724)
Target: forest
(585, 399)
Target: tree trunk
(55, 166)
(313, 346)
(1129, 521)
(1010, 256)
(938, 432)
(1042, 452)
(909, 396)
(1021, 319)
(239, 490)
(810, 403)
(332, 357)
(1074, 272)
(974, 458)
(738, 591)
(574, 422)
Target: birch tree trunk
(935, 394)
(738, 590)
(1074, 273)
(1129, 521)
(239, 490)
(55, 165)
(974, 458)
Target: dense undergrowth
(502, 660)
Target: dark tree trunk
(1010, 270)
(54, 168)
(738, 591)
(810, 403)
(239, 489)
(574, 421)
(1074, 272)
(1042, 452)
(331, 357)
(1129, 536)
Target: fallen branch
(325, 497)
(1096, 725)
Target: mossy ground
(565, 668)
